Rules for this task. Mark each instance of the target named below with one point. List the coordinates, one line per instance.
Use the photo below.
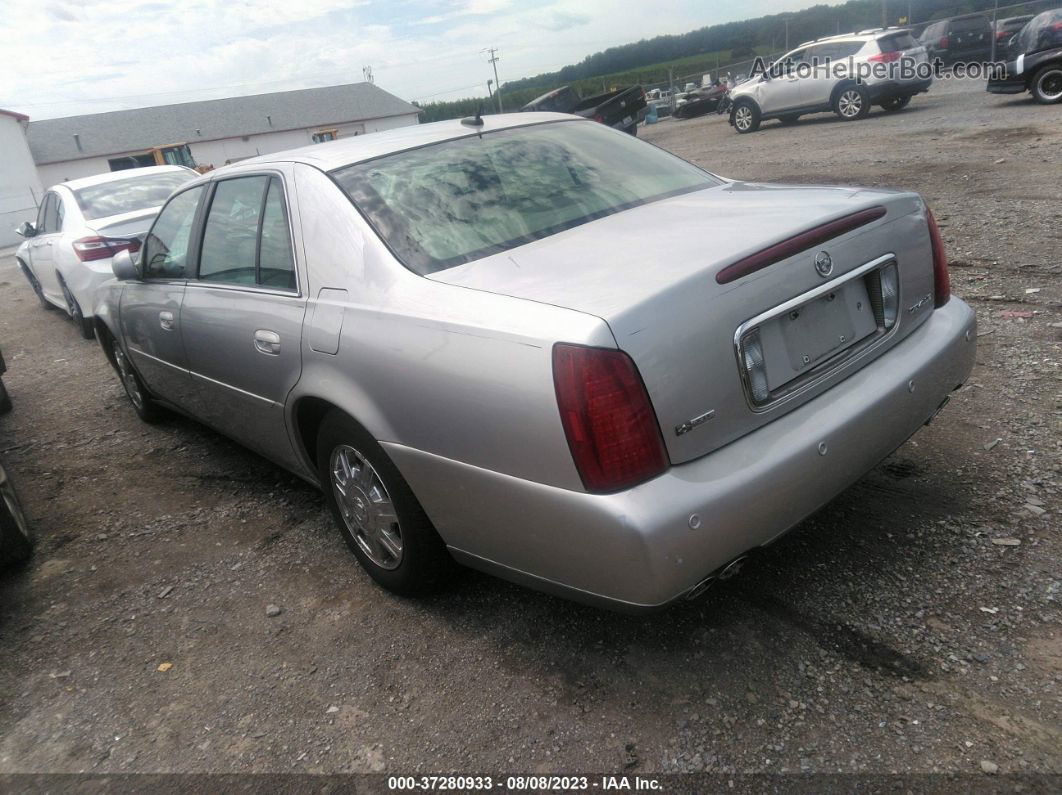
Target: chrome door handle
(166, 320)
(267, 342)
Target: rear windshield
(456, 201)
(128, 195)
(963, 24)
(897, 43)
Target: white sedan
(81, 224)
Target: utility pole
(787, 35)
(884, 13)
(493, 60)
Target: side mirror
(26, 229)
(1013, 40)
(124, 267)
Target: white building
(20, 187)
(216, 131)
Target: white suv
(846, 74)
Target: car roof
(359, 148)
(114, 176)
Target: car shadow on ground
(820, 586)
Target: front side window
(128, 195)
(48, 218)
(460, 200)
(165, 252)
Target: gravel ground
(913, 625)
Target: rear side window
(897, 43)
(246, 239)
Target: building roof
(120, 131)
(13, 115)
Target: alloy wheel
(850, 104)
(366, 507)
(132, 386)
(743, 117)
(1050, 85)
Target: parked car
(967, 38)
(701, 101)
(1004, 30)
(16, 541)
(446, 329)
(622, 108)
(81, 224)
(783, 93)
(1036, 64)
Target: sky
(69, 57)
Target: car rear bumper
(648, 546)
(899, 88)
(84, 280)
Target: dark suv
(1035, 60)
(966, 38)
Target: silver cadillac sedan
(465, 335)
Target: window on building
(321, 136)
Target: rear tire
(893, 104)
(1047, 85)
(73, 308)
(5, 399)
(852, 103)
(376, 512)
(632, 130)
(746, 117)
(16, 543)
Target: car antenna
(476, 121)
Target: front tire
(146, 409)
(894, 104)
(852, 103)
(36, 286)
(376, 512)
(745, 117)
(1047, 85)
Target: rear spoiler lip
(794, 245)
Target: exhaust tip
(732, 568)
(725, 573)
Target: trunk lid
(650, 274)
(129, 225)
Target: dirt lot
(895, 631)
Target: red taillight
(1002, 35)
(885, 57)
(599, 118)
(941, 280)
(94, 248)
(943, 43)
(611, 427)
